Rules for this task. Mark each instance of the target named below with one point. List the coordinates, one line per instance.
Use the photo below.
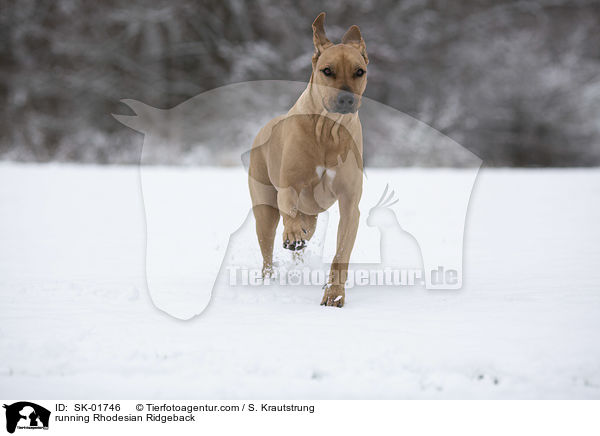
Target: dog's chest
(325, 173)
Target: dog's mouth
(345, 111)
(340, 108)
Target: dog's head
(339, 70)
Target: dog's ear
(319, 38)
(354, 38)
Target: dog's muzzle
(345, 103)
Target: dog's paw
(267, 271)
(294, 245)
(293, 233)
(334, 295)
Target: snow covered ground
(76, 320)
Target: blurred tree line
(515, 81)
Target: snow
(76, 319)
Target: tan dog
(303, 162)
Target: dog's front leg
(287, 201)
(335, 292)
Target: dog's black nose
(345, 101)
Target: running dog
(302, 162)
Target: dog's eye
(360, 72)
(327, 71)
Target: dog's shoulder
(267, 132)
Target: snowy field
(76, 319)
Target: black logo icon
(26, 415)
